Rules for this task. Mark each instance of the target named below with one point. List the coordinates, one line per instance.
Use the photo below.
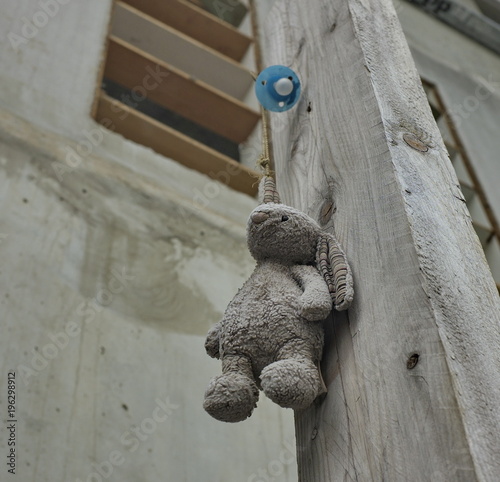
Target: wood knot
(327, 210)
(414, 142)
(412, 361)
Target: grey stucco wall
(115, 262)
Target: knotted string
(269, 192)
(264, 160)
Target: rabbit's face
(282, 233)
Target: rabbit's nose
(259, 217)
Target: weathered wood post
(413, 368)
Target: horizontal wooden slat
(175, 90)
(180, 51)
(198, 24)
(167, 141)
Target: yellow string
(264, 161)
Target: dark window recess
(173, 120)
(230, 11)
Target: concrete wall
(115, 262)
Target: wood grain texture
(181, 51)
(198, 24)
(422, 285)
(179, 92)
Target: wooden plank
(167, 141)
(422, 286)
(198, 24)
(177, 91)
(180, 51)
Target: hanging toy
(277, 88)
(271, 335)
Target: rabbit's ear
(332, 264)
(267, 191)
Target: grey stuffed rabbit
(271, 335)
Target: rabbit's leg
(232, 396)
(292, 382)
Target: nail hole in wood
(412, 361)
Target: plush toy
(271, 334)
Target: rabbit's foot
(291, 383)
(231, 397)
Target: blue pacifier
(277, 88)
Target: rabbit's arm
(212, 341)
(315, 301)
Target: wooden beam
(181, 51)
(140, 128)
(198, 24)
(177, 91)
(413, 367)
